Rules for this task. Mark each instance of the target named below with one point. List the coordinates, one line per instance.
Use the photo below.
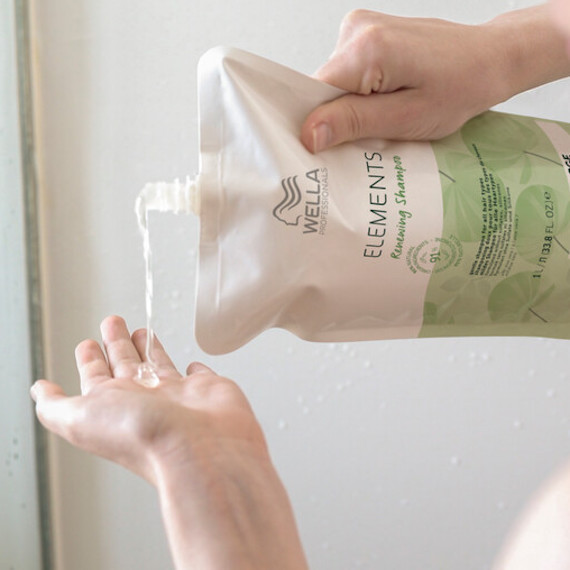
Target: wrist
(226, 508)
(529, 50)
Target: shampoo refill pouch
(469, 235)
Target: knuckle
(369, 32)
(355, 18)
(362, 30)
(367, 47)
(374, 43)
(87, 368)
(126, 365)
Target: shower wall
(397, 455)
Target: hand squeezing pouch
(468, 235)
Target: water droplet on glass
(455, 461)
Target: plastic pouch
(469, 235)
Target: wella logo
(310, 213)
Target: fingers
(353, 73)
(371, 55)
(356, 63)
(401, 75)
(91, 365)
(159, 355)
(125, 351)
(122, 354)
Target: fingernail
(33, 392)
(322, 136)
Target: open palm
(117, 418)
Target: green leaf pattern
(532, 287)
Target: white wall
(397, 455)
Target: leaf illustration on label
(461, 193)
(462, 304)
(454, 283)
(501, 142)
(430, 313)
(557, 309)
(514, 299)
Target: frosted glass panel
(20, 532)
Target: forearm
(531, 49)
(229, 512)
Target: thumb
(43, 391)
(351, 117)
(52, 405)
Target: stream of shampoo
(147, 373)
(174, 197)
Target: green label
(502, 263)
